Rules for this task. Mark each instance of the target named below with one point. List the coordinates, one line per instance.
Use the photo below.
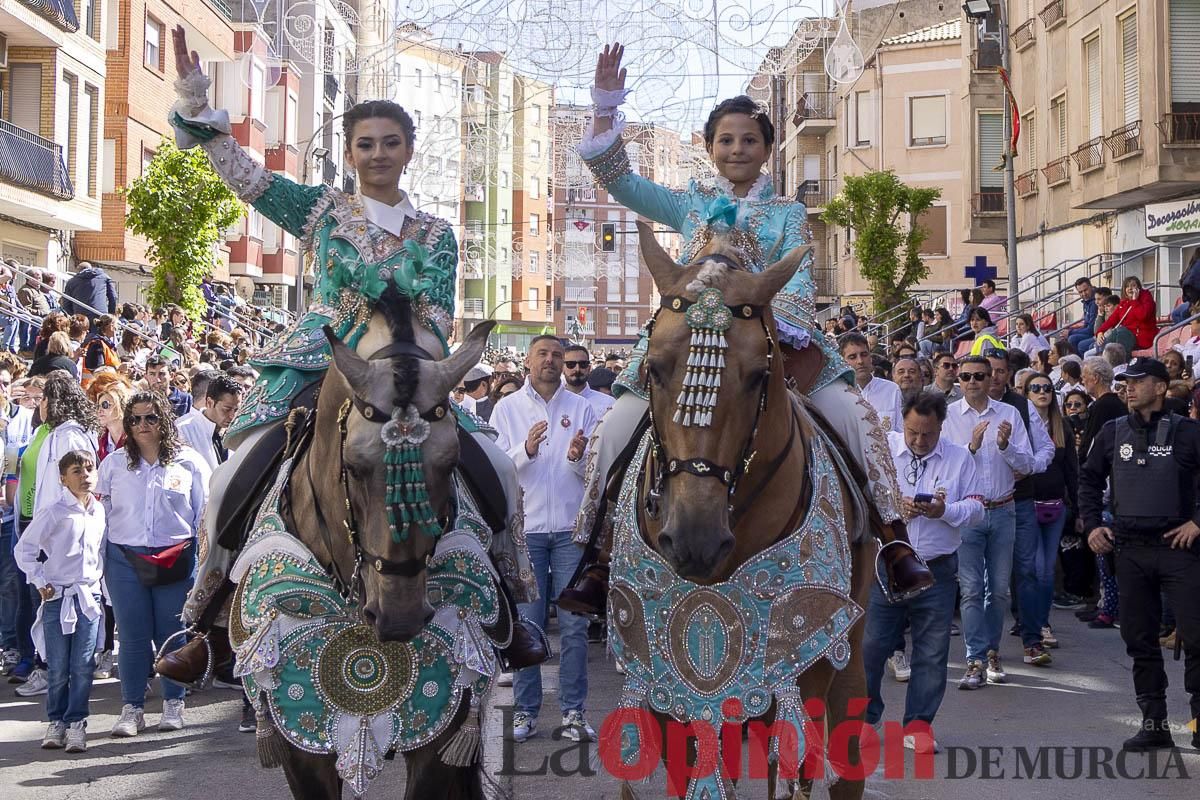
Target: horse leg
(311, 776)
(848, 690)
(429, 776)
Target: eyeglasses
(965, 377)
(460, 390)
(1073, 405)
(916, 468)
(948, 365)
(575, 364)
(1041, 388)
(107, 404)
(148, 419)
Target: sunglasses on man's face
(575, 364)
(966, 377)
(147, 419)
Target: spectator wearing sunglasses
(477, 383)
(577, 368)
(945, 378)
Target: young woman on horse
(740, 201)
(362, 243)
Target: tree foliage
(882, 211)
(181, 206)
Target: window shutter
(991, 149)
(865, 120)
(1059, 111)
(25, 96)
(1091, 51)
(928, 119)
(1185, 55)
(1129, 69)
(1029, 134)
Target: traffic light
(608, 237)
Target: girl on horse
(740, 203)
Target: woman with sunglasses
(1035, 551)
(111, 399)
(154, 490)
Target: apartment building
(532, 308)
(52, 94)
(1107, 168)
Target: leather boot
(907, 574)
(528, 647)
(1155, 734)
(587, 596)
(188, 664)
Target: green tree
(180, 204)
(883, 211)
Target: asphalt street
(1075, 709)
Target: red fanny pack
(161, 567)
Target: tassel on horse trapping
(272, 750)
(462, 749)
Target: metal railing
(1057, 171)
(1125, 140)
(328, 170)
(816, 193)
(1180, 128)
(1168, 330)
(1024, 34)
(60, 12)
(989, 202)
(33, 162)
(1054, 13)
(825, 279)
(331, 88)
(815, 105)
(1090, 155)
(1026, 183)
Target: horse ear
(353, 367)
(447, 373)
(662, 267)
(768, 282)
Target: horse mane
(397, 311)
(715, 272)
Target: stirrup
(890, 592)
(197, 636)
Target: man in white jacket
(544, 428)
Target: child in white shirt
(71, 535)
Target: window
(66, 116)
(416, 77)
(505, 142)
(503, 179)
(535, 224)
(147, 157)
(533, 299)
(293, 118)
(109, 183)
(89, 118)
(504, 216)
(91, 18)
(613, 321)
(258, 90)
(1130, 94)
(535, 188)
(1029, 134)
(935, 222)
(1091, 66)
(631, 322)
(1058, 122)
(991, 143)
(153, 57)
(631, 289)
(330, 44)
(535, 149)
(926, 121)
(863, 120)
(1184, 27)
(535, 264)
(614, 289)
(25, 96)
(417, 119)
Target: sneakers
(131, 722)
(249, 723)
(172, 716)
(38, 683)
(9, 660)
(925, 744)
(1037, 656)
(77, 737)
(1103, 621)
(576, 728)
(104, 665)
(1068, 601)
(1087, 614)
(504, 679)
(1049, 640)
(898, 666)
(20, 672)
(524, 726)
(973, 678)
(56, 736)
(995, 670)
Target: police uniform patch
(1126, 451)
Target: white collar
(390, 218)
(762, 189)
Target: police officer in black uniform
(1152, 458)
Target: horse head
(711, 365)
(384, 424)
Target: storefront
(1175, 227)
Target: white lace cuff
(593, 145)
(192, 93)
(248, 178)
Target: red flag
(1015, 133)
(580, 225)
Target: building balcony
(1057, 172)
(473, 307)
(348, 184)
(1125, 141)
(1026, 184)
(61, 13)
(224, 7)
(329, 171)
(1090, 155)
(32, 162)
(989, 201)
(815, 194)
(1024, 35)
(1180, 129)
(815, 113)
(825, 279)
(1053, 14)
(331, 88)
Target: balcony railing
(814, 105)
(328, 171)
(1125, 141)
(1026, 184)
(1182, 128)
(988, 202)
(29, 161)
(331, 88)
(1057, 171)
(224, 7)
(348, 185)
(1054, 13)
(473, 307)
(826, 280)
(987, 57)
(1090, 155)
(1024, 35)
(60, 12)
(816, 193)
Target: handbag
(163, 566)
(1048, 511)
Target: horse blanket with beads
(329, 685)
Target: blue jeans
(1081, 340)
(554, 558)
(929, 614)
(1035, 552)
(984, 567)
(12, 583)
(69, 658)
(1181, 312)
(146, 615)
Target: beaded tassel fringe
(702, 381)
(407, 495)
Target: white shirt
(553, 485)
(994, 468)
(600, 401)
(948, 471)
(887, 400)
(196, 431)
(1041, 444)
(153, 505)
(390, 218)
(1030, 342)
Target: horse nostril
(665, 543)
(723, 550)
(369, 616)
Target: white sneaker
(898, 666)
(172, 716)
(923, 746)
(576, 728)
(9, 660)
(504, 679)
(38, 683)
(131, 723)
(104, 665)
(56, 736)
(1048, 638)
(524, 726)
(995, 670)
(77, 737)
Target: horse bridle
(410, 567)
(703, 467)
